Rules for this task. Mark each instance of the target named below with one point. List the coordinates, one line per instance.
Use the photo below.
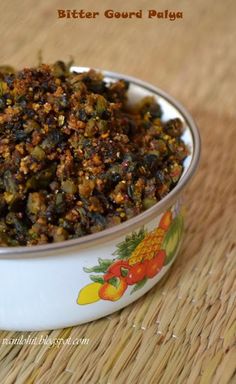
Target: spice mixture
(74, 159)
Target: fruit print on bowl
(141, 256)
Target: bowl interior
(171, 109)
(137, 91)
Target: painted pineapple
(148, 247)
(143, 246)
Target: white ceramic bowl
(53, 286)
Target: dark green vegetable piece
(41, 179)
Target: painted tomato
(154, 265)
(136, 273)
(118, 269)
(112, 292)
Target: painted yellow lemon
(89, 294)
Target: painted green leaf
(126, 247)
(115, 281)
(124, 271)
(105, 262)
(97, 279)
(96, 268)
(139, 285)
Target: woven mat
(183, 330)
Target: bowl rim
(120, 229)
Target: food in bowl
(59, 284)
(75, 158)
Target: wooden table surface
(183, 330)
